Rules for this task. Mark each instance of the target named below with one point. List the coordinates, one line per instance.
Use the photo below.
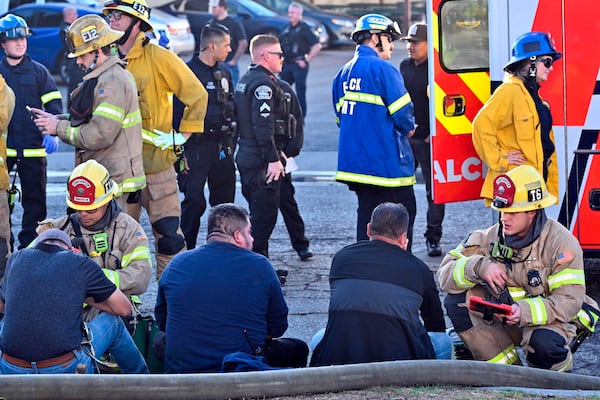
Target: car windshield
(255, 9)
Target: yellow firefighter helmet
(521, 189)
(90, 186)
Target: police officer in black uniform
(209, 156)
(300, 45)
(268, 123)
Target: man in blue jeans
(379, 295)
(41, 295)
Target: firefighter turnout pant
(4, 231)
(545, 346)
(160, 198)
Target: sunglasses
(277, 53)
(548, 61)
(94, 211)
(116, 15)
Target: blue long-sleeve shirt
(208, 297)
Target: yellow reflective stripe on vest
(132, 119)
(27, 152)
(139, 253)
(375, 180)
(72, 134)
(517, 293)
(135, 299)
(539, 315)
(568, 276)
(458, 274)
(508, 356)
(112, 275)
(132, 184)
(363, 98)
(53, 95)
(398, 104)
(110, 111)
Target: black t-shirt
(44, 290)
(236, 33)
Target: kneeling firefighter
(530, 262)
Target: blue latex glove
(50, 143)
(168, 140)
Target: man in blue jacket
(375, 115)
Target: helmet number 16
(534, 195)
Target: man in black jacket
(379, 295)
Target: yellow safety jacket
(509, 121)
(7, 106)
(160, 73)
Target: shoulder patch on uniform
(263, 92)
(140, 235)
(104, 92)
(564, 256)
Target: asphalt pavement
(328, 208)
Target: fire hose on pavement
(289, 382)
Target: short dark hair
(389, 220)
(226, 219)
(211, 32)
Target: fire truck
(470, 42)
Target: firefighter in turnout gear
(34, 87)
(267, 125)
(158, 73)
(209, 155)
(530, 262)
(104, 122)
(7, 106)
(100, 229)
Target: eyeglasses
(277, 53)
(547, 61)
(116, 15)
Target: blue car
(45, 45)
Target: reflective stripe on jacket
(158, 73)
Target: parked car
(256, 18)
(339, 26)
(45, 21)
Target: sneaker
(433, 249)
(305, 254)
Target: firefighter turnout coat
(509, 121)
(153, 69)
(113, 135)
(546, 280)
(126, 258)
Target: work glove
(50, 143)
(168, 140)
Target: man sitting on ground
(41, 296)
(222, 298)
(379, 294)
